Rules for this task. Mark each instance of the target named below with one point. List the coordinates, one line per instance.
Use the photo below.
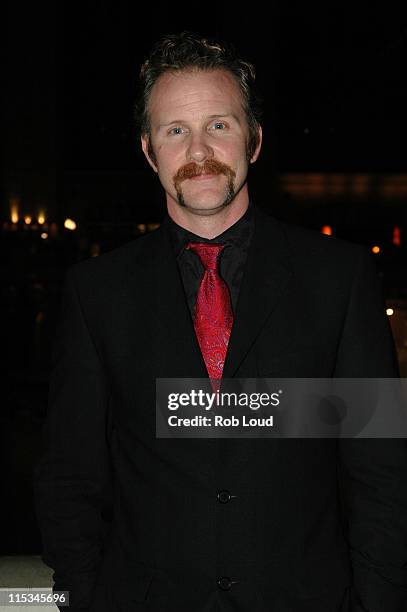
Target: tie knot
(207, 252)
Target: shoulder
(309, 247)
(116, 265)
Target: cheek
(170, 159)
(165, 162)
(234, 151)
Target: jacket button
(224, 583)
(224, 496)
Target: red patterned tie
(213, 317)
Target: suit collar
(177, 349)
(267, 274)
(238, 234)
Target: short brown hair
(177, 52)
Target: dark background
(335, 128)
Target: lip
(203, 177)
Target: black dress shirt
(232, 259)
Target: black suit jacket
(131, 522)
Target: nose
(198, 148)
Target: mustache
(210, 166)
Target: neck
(208, 225)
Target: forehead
(195, 92)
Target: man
(135, 522)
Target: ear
(258, 147)
(145, 141)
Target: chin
(205, 207)
(202, 203)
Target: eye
(175, 131)
(219, 125)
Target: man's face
(199, 137)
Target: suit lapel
(177, 350)
(266, 277)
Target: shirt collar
(237, 234)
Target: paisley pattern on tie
(213, 317)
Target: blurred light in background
(389, 311)
(95, 249)
(14, 204)
(375, 249)
(27, 219)
(41, 218)
(70, 224)
(44, 235)
(53, 229)
(396, 235)
(327, 230)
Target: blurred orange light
(376, 249)
(41, 218)
(327, 230)
(14, 205)
(27, 219)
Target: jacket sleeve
(72, 478)
(373, 472)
